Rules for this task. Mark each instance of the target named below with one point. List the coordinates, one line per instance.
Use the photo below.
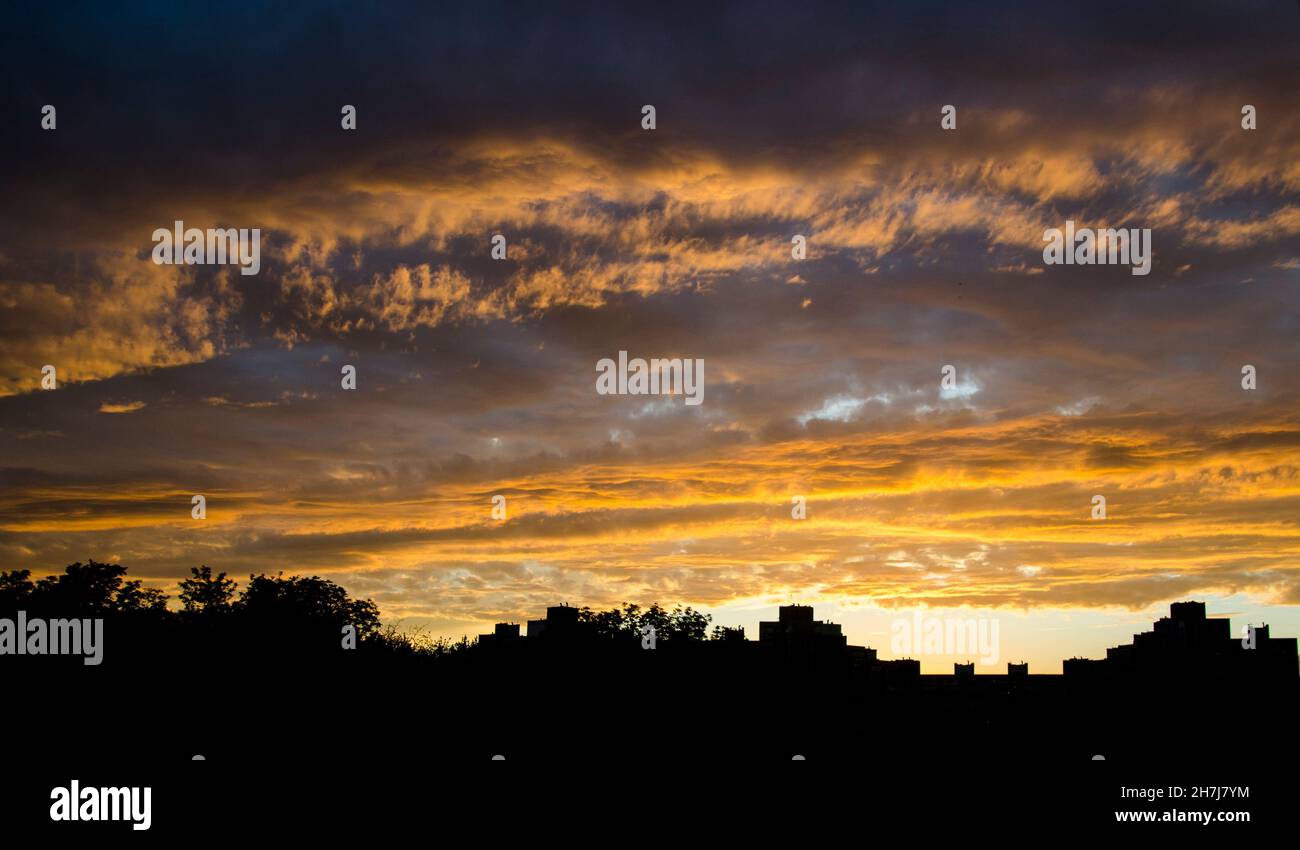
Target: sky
(476, 377)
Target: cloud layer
(476, 377)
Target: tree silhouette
(205, 594)
(15, 589)
(289, 605)
(276, 599)
(730, 634)
(84, 590)
(134, 597)
(681, 625)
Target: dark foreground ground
(376, 741)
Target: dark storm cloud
(195, 96)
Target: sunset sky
(476, 377)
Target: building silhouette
(1083, 667)
(501, 634)
(561, 622)
(730, 634)
(795, 630)
(1188, 644)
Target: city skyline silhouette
(287, 641)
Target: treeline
(682, 624)
(296, 612)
